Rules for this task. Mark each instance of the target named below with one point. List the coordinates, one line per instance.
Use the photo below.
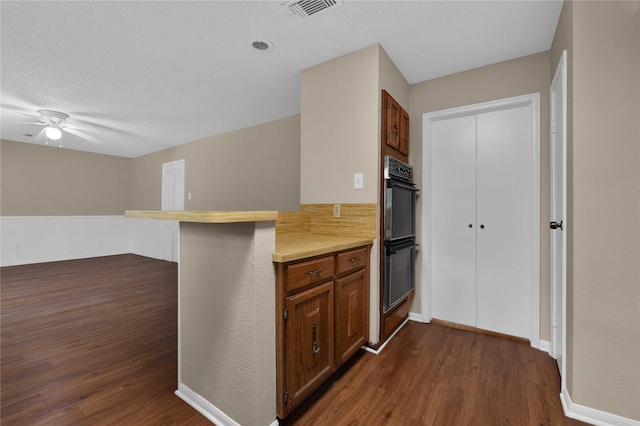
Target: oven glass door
(400, 207)
(398, 277)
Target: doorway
(172, 199)
(558, 212)
(480, 160)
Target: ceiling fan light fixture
(53, 133)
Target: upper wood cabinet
(395, 126)
(404, 133)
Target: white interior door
(558, 209)
(481, 205)
(453, 220)
(172, 199)
(504, 211)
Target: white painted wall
(36, 239)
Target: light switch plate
(358, 181)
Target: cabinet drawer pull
(316, 272)
(314, 347)
(355, 259)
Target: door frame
(175, 235)
(532, 101)
(560, 77)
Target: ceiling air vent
(305, 9)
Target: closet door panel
(453, 207)
(504, 212)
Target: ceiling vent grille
(305, 9)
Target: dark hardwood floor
(91, 342)
(94, 342)
(435, 375)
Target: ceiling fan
(55, 124)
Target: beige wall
(606, 207)
(227, 321)
(516, 77)
(255, 168)
(340, 136)
(38, 180)
(339, 129)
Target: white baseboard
(207, 409)
(543, 345)
(377, 351)
(204, 407)
(592, 415)
(413, 316)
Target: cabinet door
(453, 220)
(309, 341)
(404, 133)
(391, 123)
(351, 314)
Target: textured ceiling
(142, 76)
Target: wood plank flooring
(91, 342)
(94, 342)
(436, 375)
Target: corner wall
(603, 366)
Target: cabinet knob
(470, 225)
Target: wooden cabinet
(395, 142)
(395, 128)
(351, 315)
(322, 320)
(309, 341)
(404, 133)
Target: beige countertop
(298, 246)
(204, 216)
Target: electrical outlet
(336, 210)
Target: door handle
(556, 225)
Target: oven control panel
(396, 169)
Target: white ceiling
(143, 75)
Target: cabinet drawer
(352, 260)
(302, 274)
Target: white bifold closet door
(481, 220)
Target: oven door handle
(390, 251)
(392, 182)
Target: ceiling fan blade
(40, 134)
(82, 135)
(76, 127)
(32, 122)
(37, 117)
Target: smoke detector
(305, 9)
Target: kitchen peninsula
(227, 305)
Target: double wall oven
(399, 231)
